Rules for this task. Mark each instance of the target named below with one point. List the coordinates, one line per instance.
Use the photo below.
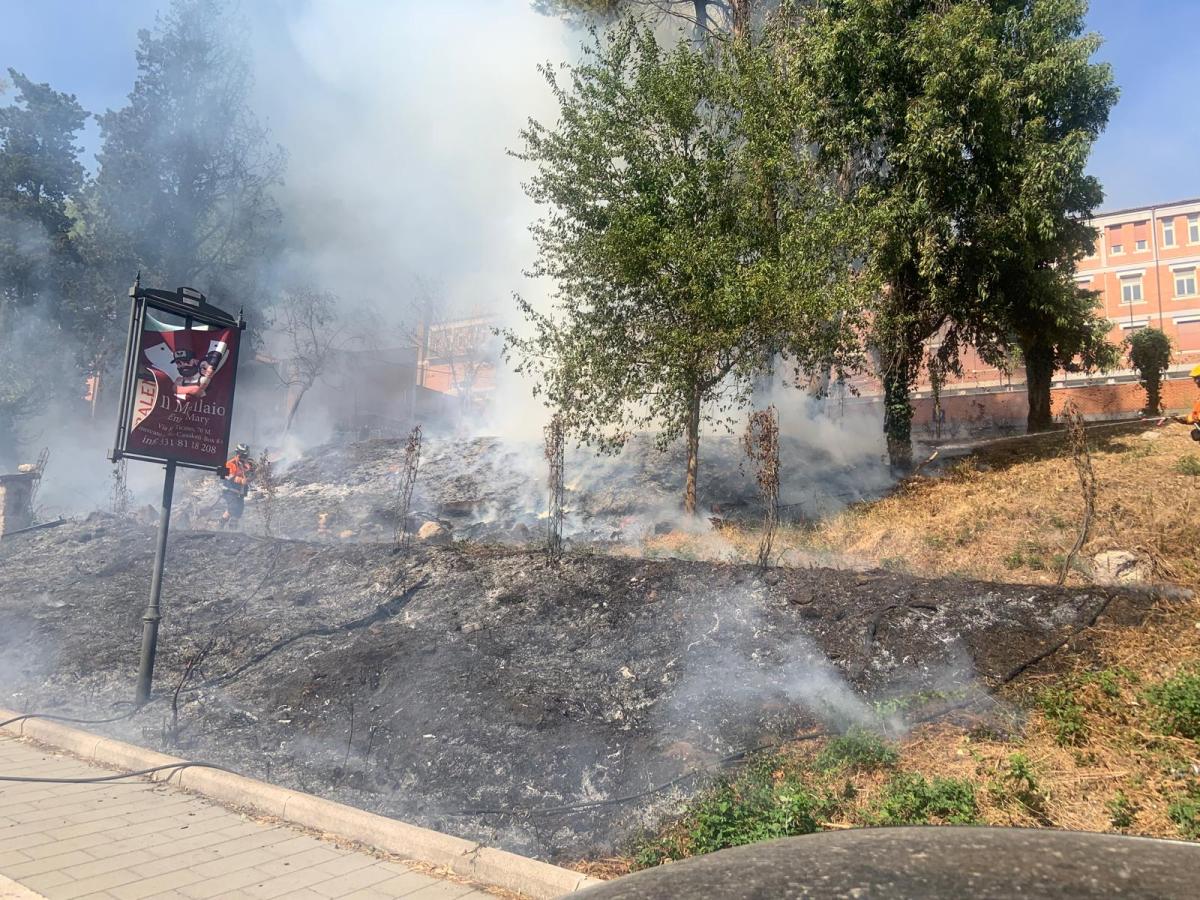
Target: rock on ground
(1120, 567)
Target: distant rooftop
(1132, 209)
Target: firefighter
(1193, 418)
(239, 470)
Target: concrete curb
(535, 879)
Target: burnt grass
(481, 690)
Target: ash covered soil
(483, 691)
(493, 489)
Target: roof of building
(1103, 214)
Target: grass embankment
(1102, 736)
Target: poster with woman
(182, 396)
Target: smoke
(397, 119)
(733, 663)
(400, 193)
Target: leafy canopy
(687, 233)
(965, 125)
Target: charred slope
(493, 489)
(484, 692)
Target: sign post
(176, 408)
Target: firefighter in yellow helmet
(1193, 418)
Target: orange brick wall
(1098, 401)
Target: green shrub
(1014, 560)
(1188, 465)
(655, 853)
(1020, 773)
(1121, 811)
(858, 749)
(1175, 704)
(753, 808)
(1109, 680)
(1184, 811)
(1065, 713)
(767, 799)
(908, 799)
(1106, 680)
(1018, 782)
(1150, 355)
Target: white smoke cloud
(397, 118)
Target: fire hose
(103, 779)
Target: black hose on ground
(104, 779)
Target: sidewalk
(133, 839)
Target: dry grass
(1011, 513)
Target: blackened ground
(494, 489)
(484, 691)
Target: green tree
(1150, 356)
(930, 112)
(705, 17)
(1056, 327)
(184, 187)
(1058, 104)
(40, 174)
(689, 240)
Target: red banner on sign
(183, 394)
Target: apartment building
(1144, 268)
(1144, 265)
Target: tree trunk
(739, 15)
(693, 452)
(898, 413)
(293, 407)
(1039, 373)
(700, 29)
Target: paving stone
(401, 885)
(147, 887)
(97, 883)
(345, 885)
(443, 890)
(138, 840)
(48, 863)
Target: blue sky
(1149, 153)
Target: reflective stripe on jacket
(239, 471)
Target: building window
(1194, 229)
(1168, 232)
(1188, 334)
(1185, 282)
(1139, 245)
(1117, 249)
(1131, 288)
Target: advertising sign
(176, 408)
(180, 373)
(183, 395)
